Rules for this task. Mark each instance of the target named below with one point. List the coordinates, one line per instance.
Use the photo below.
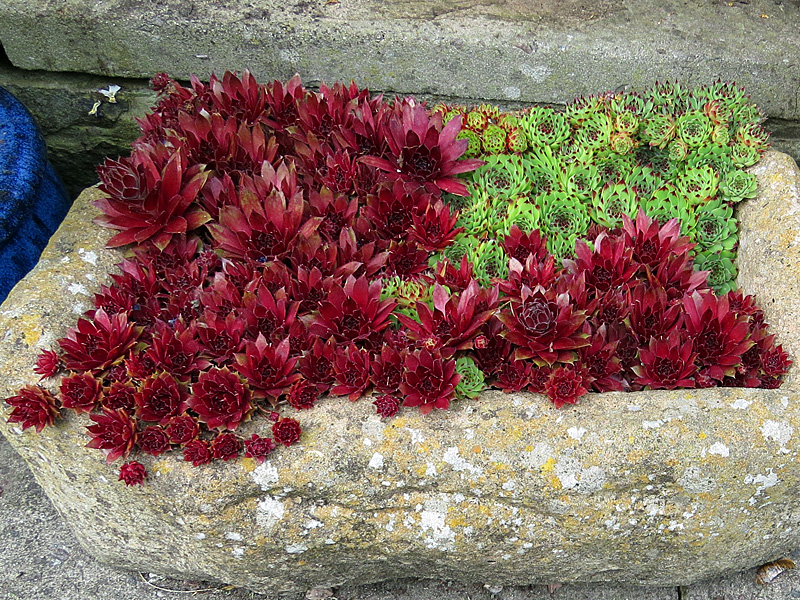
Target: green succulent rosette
(524, 214)
(516, 140)
(743, 156)
(667, 203)
(613, 201)
(579, 180)
(715, 227)
(562, 216)
(595, 132)
(753, 135)
(479, 219)
(737, 185)
(543, 170)
(493, 140)
(458, 249)
(581, 109)
(562, 246)
(716, 157)
(659, 130)
(476, 120)
(644, 180)
(473, 143)
(545, 127)
(698, 184)
(721, 135)
(472, 381)
(614, 167)
(721, 270)
(503, 176)
(488, 260)
(694, 128)
(626, 122)
(677, 150)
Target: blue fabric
(33, 201)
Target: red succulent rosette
(514, 375)
(182, 429)
(267, 367)
(610, 266)
(286, 431)
(153, 440)
(386, 406)
(387, 370)
(421, 150)
(47, 364)
(303, 395)
(719, 335)
(119, 395)
(176, 350)
(429, 381)
(221, 399)
(452, 323)
(351, 368)
(197, 452)
(167, 209)
(667, 363)
(160, 398)
(566, 384)
(226, 446)
(258, 447)
(353, 311)
(114, 431)
(316, 365)
(33, 407)
(80, 392)
(544, 326)
(132, 473)
(94, 345)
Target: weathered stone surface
(658, 488)
(545, 51)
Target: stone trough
(651, 488)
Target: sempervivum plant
(289, 245)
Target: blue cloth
(33, 201)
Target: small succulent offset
(290, 245)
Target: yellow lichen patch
(31, 325)
(702, 435)
(476, 450)
(549, 466)
(248, 465)
(161, 466)
(528, 448)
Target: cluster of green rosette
(669, 151)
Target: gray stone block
(549, 51)
(653, 488)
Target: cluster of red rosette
(265, 220)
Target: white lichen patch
(509, 486)
(652, 424)
(77, 288)
(741, 404)
(538, 455)
(572, 475)
(88, 256)
(265, 475)
(634, 408)
(200, 536)
(233, 536)
(576, 433)
(719, 449)
(416, 435)
(777, 431)
(761, 482)
(376, 462)
(430, 469)
(238, 551)
(269, 512)
(372, 428)
(437, 535)
(296, 548)
(454, 459)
